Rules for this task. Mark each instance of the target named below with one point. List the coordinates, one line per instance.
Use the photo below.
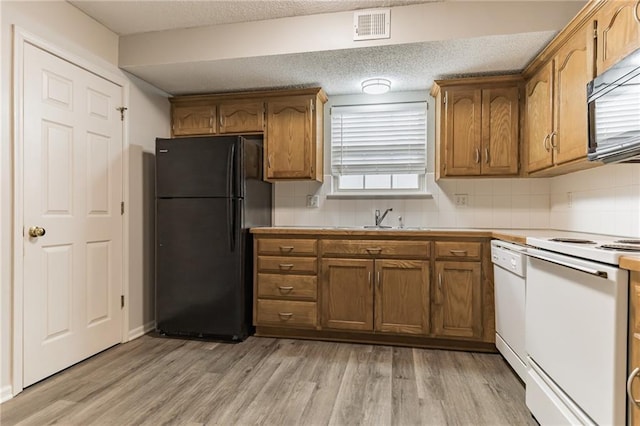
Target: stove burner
(620, 247)
(572, 240)
(627, 241)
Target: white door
(73, 190)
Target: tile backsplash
(603, 200)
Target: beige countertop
(517, 236)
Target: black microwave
(613, 100)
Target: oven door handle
(597, 273)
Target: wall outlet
(461, 200)
(313, 201)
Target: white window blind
(379, 139)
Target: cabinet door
(402, 296)
(500, 131)
(574, 69)
(457, 304)
(463, 131)
(289, 151)
(347, 294)
(618, 32)
(241, 117)
(194, 120)
(634, 344)
(539, 119)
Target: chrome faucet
(379, 218)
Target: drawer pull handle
(285, 315)
(286, 248)
(458, 252)
(374, 249)
(285, 290)
(286, 265)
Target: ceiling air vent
(371, 24)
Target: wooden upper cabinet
(539, 119)
(500, 130)
(574, 68)
(241, 116)
(402, 301)
(556, 96)
(478, 126)
(191, 120)
(463, 127)
(457, 304)
(347, 294)
(292, 122)
(293, 148)
(618, 32)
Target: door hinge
(445, 98)
(121, 301)
(121, 208)
(122, 110)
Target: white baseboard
(142, 330)
(6, 393)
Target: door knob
(36, 231)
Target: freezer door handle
(231, 166)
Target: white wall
(67, 28)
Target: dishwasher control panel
(508, 256)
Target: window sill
(369, 196)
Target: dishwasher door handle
(597, 273)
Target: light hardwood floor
(155, 380)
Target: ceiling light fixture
(376, 86)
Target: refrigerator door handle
(231, 166)
(231, 219)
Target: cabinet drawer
(375, 248)
(287, 286)
(287, 313)
(287, 265)
(287, 247)
(457, 249)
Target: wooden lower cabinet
(457, 303)
(402, 296)
(634, 345)
(347, 294)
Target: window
(379, 148)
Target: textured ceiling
(131, 17)
(408, 66)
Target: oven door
(576, 315)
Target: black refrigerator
(209, 192)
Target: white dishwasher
(509, 272)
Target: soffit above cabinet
(431, 40)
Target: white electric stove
(599, 249)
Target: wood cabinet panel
(402, 297)
(287, 265)
(500, 134)
(634, 344)
(618, 32)
(287, 286)
(458, 249)
(574, 70)
(457, 304)
(377, 248)
(287, 247)
(347, 294)
(463, 131)
(289, 148)
(287, 313)
(191, 120)
(241, 116)
(539, 119)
